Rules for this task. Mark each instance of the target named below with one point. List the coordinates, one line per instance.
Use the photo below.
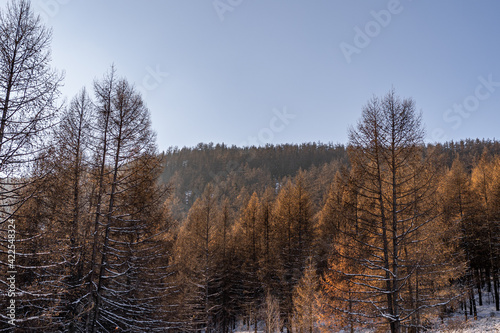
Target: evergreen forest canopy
(100, 232)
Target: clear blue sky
(286, 71)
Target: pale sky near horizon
(275, 71)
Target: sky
(254, 72)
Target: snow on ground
(471, 326)
(242, 328)
(488, 321)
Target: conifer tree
(249, 237)
(72, 170)
(305, 301)
(386, 154)
(128, 162)
(272, 314)
(460, 209)
(484, 182)
(293, 228)
(29, 88)
(198, 251)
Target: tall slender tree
(248, 235)
(129, 145)
(485, 183)
(305, 314)
(72, 170)
(29, 89)
(459, 208)
(198, 251)
(104, 92)
(292, 225)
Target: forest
(102, 232)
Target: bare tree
(72, 170)
(28, 92)
(29, 89)
(395, 213)
(101, 141)
(127, 226)
(271, 314)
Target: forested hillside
(244, 170)
(189, 169)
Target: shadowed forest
(102, 232)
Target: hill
(239, 170)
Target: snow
(472, 326)
(488, 320)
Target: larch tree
(229, 270)
(494, 234)
(140, 285)
(385, 149)
(293, 228)
(128, 154)
(248, 242)
(74, 195)
(288, 268)
(198, 254)
(484, 182)
(42, 263)
(271, 314)
(330, 220)
(305, 312)
(459, 207)
(101, 142)
(54, 216)
(339, 298)
(269, 256)
(29, 88)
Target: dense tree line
(234, 168)
(189, 169)
(111, 235)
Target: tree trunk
(111, 207)
(496, 287)
(478, 284)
